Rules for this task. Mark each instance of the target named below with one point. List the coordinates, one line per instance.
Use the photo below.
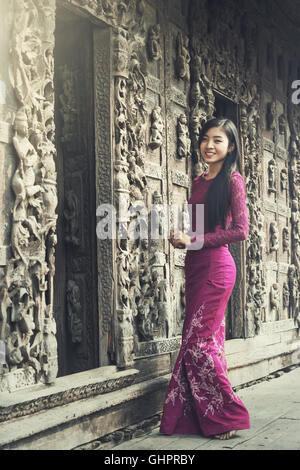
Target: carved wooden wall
(165, 69)
(153, 151)
(27, 322)
(259, 83)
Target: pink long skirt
(200, 399)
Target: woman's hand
(179, 239)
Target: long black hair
(217, 196)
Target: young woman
(199, 397)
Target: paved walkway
(274, 408)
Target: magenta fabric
(200, 399)
(237, 217)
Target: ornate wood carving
(293, 119)
(28, 325)
(153, 43)
(124, 321)
(184, 141)
(104, 175)
(215, 57)
(156, 128)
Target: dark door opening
(227, 109)
(75, 294)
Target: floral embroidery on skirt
(200, 398)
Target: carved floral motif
(182, 63)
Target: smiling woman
(214, 149)
(220, 149)
(200, 398)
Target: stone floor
(274, 408)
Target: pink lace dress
(200, 399)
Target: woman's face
(215, 145)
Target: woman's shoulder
(236, 177)
(236, 174)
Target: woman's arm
(240, 228)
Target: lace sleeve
(239, 228)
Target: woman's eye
(216, 141)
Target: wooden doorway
(76, 305)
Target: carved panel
(103, 91)
(28, 326)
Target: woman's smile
(210, 154)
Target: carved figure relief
(74, 308)
(285, 240)
(296, 249)
(24, 179)
(272, 176)
(282, 126)
(253, 117)
(145, 324)
(283, 179)
(157, 127)
(274, 237)
(153, 43)
(137, 179)
(261, 233)
(285, 295)
(158, 221)
(49, 352)
(271, 116)
(293, 170)
(182, 63)
(161, 318)
(295, 216)
(71, 215)
(293, 288)
(183, 140)
(120, 57)
(274, 302)
(68, 108)
(26, 45)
